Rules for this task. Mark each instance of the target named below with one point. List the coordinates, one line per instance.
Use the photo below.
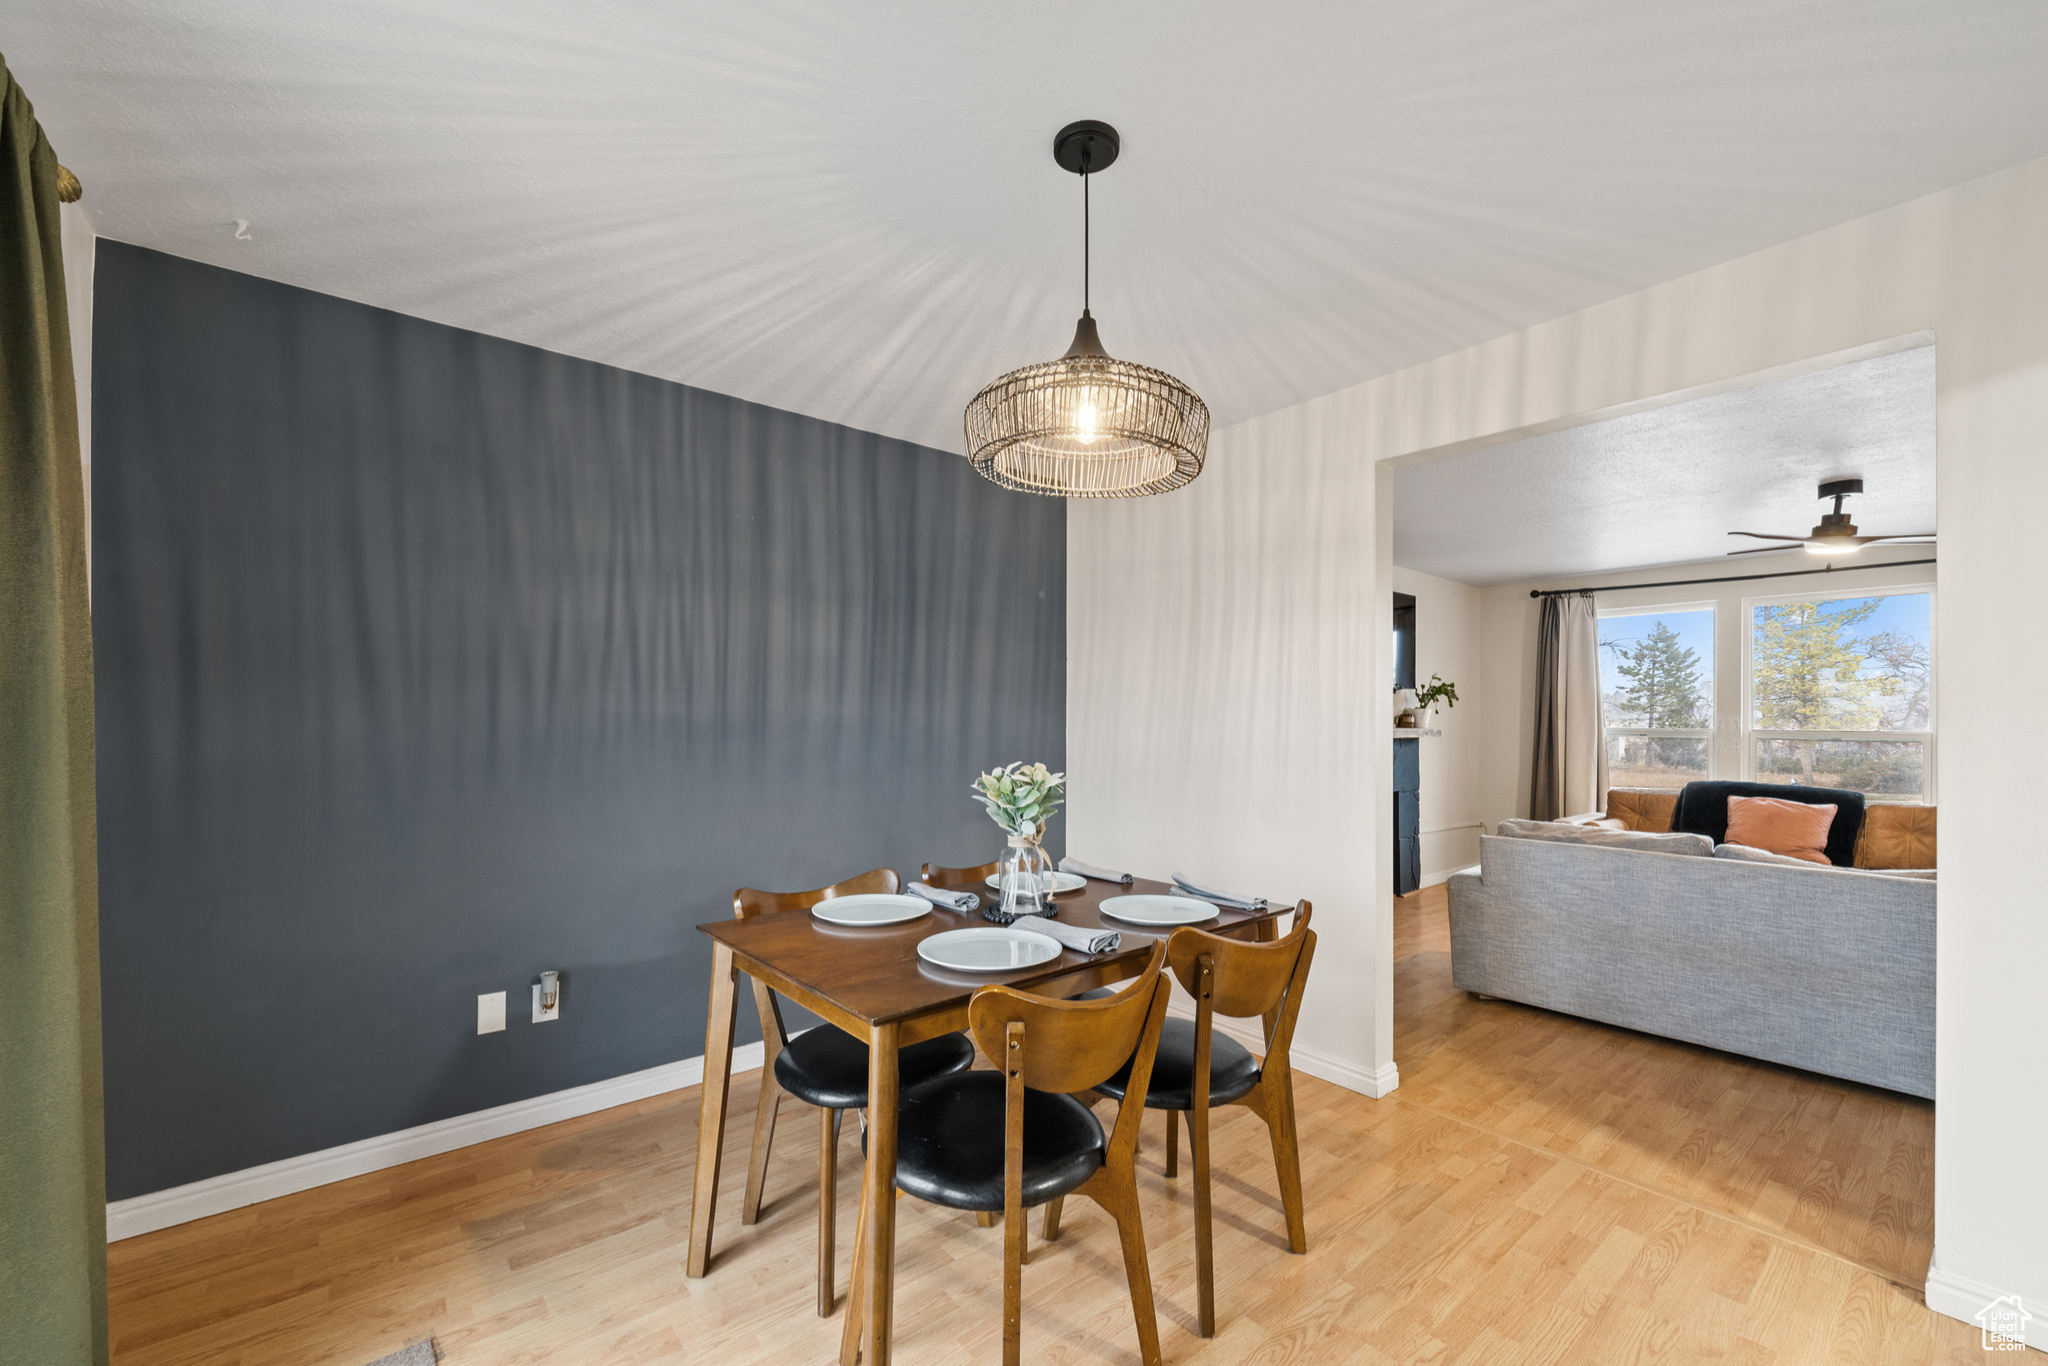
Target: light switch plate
(539, 1015)
(490, 1012)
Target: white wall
(1509, 650)
(1447, 642)
(1191, 617)
(1224, 643)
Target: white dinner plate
(871, 908)
(1052, 884)
(1144, 909)
(1003, 948)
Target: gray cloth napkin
(1075, 937)
(1074, 865)
(1240, 903)
(938, 896)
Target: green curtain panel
(53, 1213)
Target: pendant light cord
(1085, 224)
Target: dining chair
(974, 878)
(826, 1067)
(1015, 1137)
(1196, 1068)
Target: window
(1404, 640)
(1657, 696)
(1841, 693)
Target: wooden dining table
(871, 983)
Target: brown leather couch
(1894, 835)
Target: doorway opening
(1809, 669)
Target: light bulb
(1085, 420)
(1844, 546)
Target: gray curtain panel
(53, 1259)
(1568, 775)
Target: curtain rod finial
(69, 191)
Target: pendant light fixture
(1087, 425)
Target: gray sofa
(1827, 969)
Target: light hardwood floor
(1540, 1189)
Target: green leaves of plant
(1436, 690)
(1020, 797)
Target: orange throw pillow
(1797, 829)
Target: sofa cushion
(1696, 846)
(1744, 854)
(1703, 810)
(1642, 808)
(1794, 829)
(1896, 836)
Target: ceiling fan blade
(1765, 549)
(1766, 536)
(1902, 536)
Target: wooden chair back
(1069, 1046)
(958, 877)
(1239, 978)
(748, 902)
(1074, 1044)
(1232, 977)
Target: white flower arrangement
(1020, 797)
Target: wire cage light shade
(1088, 427)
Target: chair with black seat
(1015, 1137)
(1197, 1068)
(974, 879)
(825, 1067)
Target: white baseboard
(233, 1190)
(1443, 875)
(1960, 1298)
(1337, 1071)
(1373, 1082)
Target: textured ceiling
(1668, 485)
(851, 210)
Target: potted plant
(1020, 798)
(1412, 703)
(1435, 691)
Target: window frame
(1751, 732)
(1711, 734)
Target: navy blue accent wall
(427, 661)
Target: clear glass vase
(1023, 877)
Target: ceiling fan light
(1832, 546)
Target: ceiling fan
(1836, 534)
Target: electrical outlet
(553, 1012)
(490, 1012)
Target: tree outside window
(1841, 693)
(1657, 686)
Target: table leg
(881, 1189)
(856, 1292)
(769, 1100)
(711, 1106)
